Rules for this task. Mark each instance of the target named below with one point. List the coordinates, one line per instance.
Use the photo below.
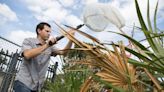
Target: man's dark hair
(41, 26)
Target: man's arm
(65, 50)
(68, 46)
(30, 53)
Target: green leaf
(155, 17)
(109, 85)
(142, 64)
(144, 28)
(148, 17)
(144, 49)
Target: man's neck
(41, 40)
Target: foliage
(151, 58)
(73, 76)
(113, 70)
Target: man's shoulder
(31, 39)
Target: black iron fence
(9, 65)
(10, 62)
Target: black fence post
(54, 72)
(9, 74)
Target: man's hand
(72, 32)
(51, 41)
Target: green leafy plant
(115, 71)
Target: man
(36, 53)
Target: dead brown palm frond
(86, 84)
(96, 86)
(76, 41)
(114, 67)
(119, 71)
(85, 34)
(90, 85)
(118, 74)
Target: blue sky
(20, 17)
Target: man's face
(45, 32)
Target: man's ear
(38, 30)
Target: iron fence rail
(10, 62)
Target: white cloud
(36, 9)
(90, 1)
(51, 10)
(73, 20)
(161, 8)
(48, 10)
(6, 14)
(66, 3)
(5, 45)
(18, 36)
(128, 10)
(54, 10)
(41, 3)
